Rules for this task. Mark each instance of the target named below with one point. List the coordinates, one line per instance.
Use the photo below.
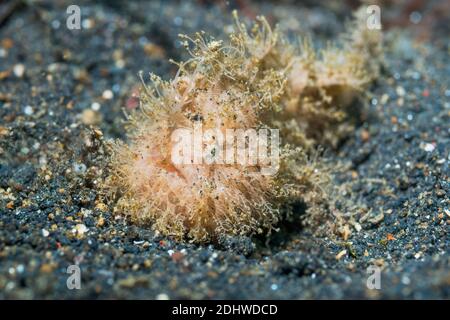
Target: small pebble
(19, 70)
(79, 168)
(80, 229)
(28, 110)
(162, 296)
(178, 21)
(120, 63)
(10, 286)
(87, 23)
(415, 17)
(96, 106)
(341, 254)
(447, 212)
(20, 268)
(90, 117)
(400, 91)
(107, 95)
(428, 147)
(405, 280)
(116, 87)
(45, 233)
(56, 24)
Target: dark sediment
(55, 83)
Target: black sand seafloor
(62, 92)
